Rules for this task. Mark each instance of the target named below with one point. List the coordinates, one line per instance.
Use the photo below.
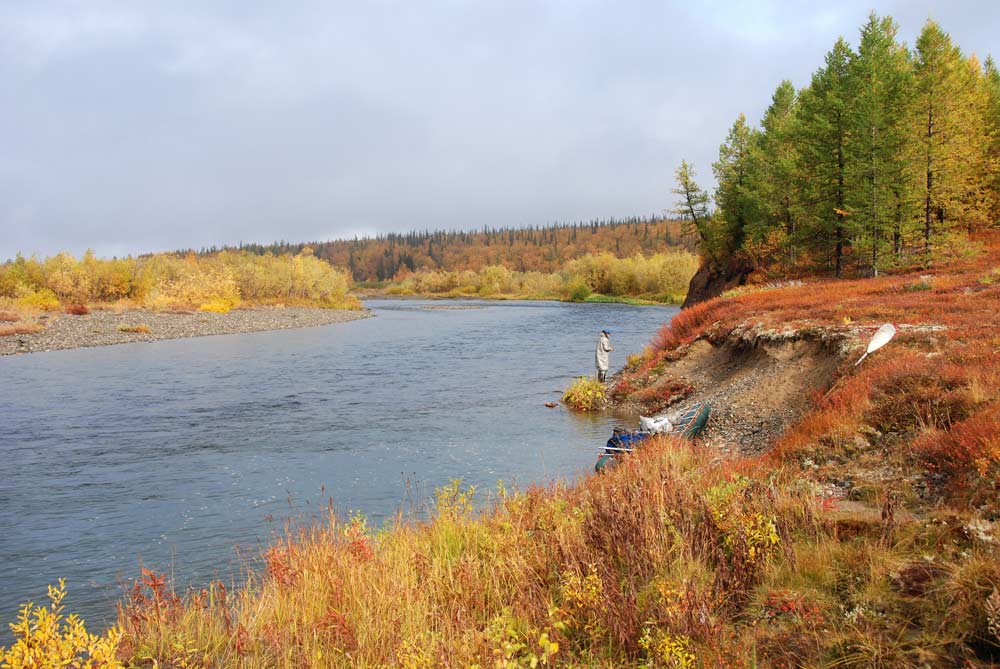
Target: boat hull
(691, 424)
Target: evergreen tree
(821, 162)
(877, 141)
(991, 85)
(692, 205)
(734, 193)
(774, 168)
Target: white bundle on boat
(656, 424)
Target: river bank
(594, 298)
(834, 515)
(108, 327)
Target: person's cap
(606, 331)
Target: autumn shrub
(216, 306)
(42, 298)
(577, 290)
(77, 309)
(689, 323)
(585, 394)
(660, 273)
(142, 328)
(658, 277)
(175, 281)
(46, 639)
(20, 329)
(970, 446)
(9, 317)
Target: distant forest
(393, 256)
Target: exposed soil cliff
(712, 280)
(757, 381)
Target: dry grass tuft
(20, 329)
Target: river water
(188, 455)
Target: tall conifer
(877, 145)
(991, 86)
(950, 134)
(733, 172)
(821, 132)
(692, 205)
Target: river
(184, 455)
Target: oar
(880, 339)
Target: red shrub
(689, 323)
(970, 446)
(77, 309)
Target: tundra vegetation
(217, 283)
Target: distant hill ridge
(543, 249)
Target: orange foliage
(77, 309)
(937, 387)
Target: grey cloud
(129, 127)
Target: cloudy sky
(140, 126)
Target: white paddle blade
(882, 337)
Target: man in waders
(604, 347)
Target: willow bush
(168, 281)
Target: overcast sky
(139, 126)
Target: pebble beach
(105, 327)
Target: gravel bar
(101, 327)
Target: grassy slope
(681, 558)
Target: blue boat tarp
(690, 424)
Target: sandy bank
(103, 328)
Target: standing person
(604, 347)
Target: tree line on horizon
(890, 157)
(395, 256)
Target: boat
(688, 425)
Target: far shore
(105, 327)
(595, 298)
